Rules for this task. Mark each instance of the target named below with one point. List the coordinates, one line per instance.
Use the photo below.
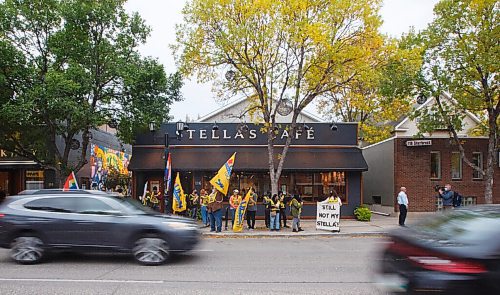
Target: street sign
(328, 215)
(421, 142)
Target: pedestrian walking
(403, 205)
(234, 202)
(214, 208)
(447, 196)
(194, 201)
(296, 207)
(252, 210)
(275, 213)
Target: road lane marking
(173, 281)
(81, 281)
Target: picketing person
(204, 198)
(252, 210)
(275, 213)
(296, 207)
(234, 202)
(283, 200)
(194, 202)
(214, 208)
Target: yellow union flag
(221, 179)
(239, 215)
(179, 198)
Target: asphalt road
(218, 266)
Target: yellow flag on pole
(179, 198)
(221, 180)
(239, 215)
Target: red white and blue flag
(71, 182)
(168, 173)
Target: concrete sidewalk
(379, 225)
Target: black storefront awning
(248, 158)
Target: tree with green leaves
(371, 98)
(69, 66)
(461, 72)
(277, 53)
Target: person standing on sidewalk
(403, 205)
(283, 208)
(447, 196)
(252, 210)
(275, 213)
(194, 201)
(234, 202)
(295, 207)
(267, 209)
(204, 198)
(215, 211)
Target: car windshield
(134, 206)
(464, 226)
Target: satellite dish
(285, 107)
(421, 99)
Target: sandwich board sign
(328, 215)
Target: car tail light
(2, 215)
(431, 260)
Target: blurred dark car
(40, 221)
(454, 253)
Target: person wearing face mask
(447, 196)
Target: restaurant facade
(322, 157)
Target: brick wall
(412, 170)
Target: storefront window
(315, 187)
(333, 181)
(435, 165)
(34, 179)
(304, 185)
(456, 165)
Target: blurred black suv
(35, 222)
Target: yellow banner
(239, 215)
(221, 179)
(179, 198)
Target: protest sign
(328, 216)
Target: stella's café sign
(253, 134)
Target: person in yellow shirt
(194, 202)
(204, 200)
(154, 198)
(234, 202)
(275, 213)
(334, 198)
(267, 208)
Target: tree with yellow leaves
(276, 52)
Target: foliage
(371, 98)
(114, 178)
(69, 66)
(460, 71)
(278, 50)
(363, 213)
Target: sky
(162, 16)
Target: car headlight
(180, 225)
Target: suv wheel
(27, 250)
(151, 251)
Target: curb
(292, 235)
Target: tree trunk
(270, 153)
(490, 160)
